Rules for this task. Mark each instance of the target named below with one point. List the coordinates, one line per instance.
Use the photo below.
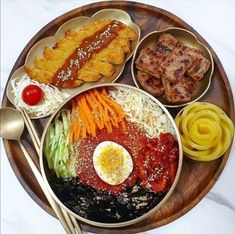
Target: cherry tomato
(32, 95)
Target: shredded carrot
(77, 130)
(114, 104)
(85, 128)
(100, 108)
(123, 124)
(89, 116)
(108, 108)
(95, 110)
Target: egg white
(116, 177)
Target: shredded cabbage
(52, 98)
(143, 111)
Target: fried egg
(112, 162)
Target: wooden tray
(196, 179)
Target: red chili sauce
(155, 160)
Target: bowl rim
(197, 40)
(129, 222)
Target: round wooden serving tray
(196, 179)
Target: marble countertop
(214, 20)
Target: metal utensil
(36, 141)
(12, 126)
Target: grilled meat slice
(150, 84)
(176, 64)
(199, 66)
(166, 43)
(179, 92)
(150, 59)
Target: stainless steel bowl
(44, 168)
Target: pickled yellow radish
(206, 131)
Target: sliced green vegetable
(59, 153)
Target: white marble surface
(214, 20)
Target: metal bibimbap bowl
(88, 178)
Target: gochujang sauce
(155, 160)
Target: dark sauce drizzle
(66, 75)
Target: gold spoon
(12, 126)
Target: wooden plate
(196, 179)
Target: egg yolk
(111, 159)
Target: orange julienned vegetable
(94, 110)
(88, 115)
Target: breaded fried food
(64, 58)
(55, 54)
(108, 55)
(127, 33)
(65, 44)
(105, 69)
(88, 76)
(115, 51)
(86, 31)
(39, 75)
(124, 44)
(47, 65)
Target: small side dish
(173, 66)
(114, 152)
(36, 98)
(206, 131)
(171, 69)
(84, 55)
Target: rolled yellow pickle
(206, 131)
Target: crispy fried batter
(116, 56)
(106, 69)
(115, 51)
(86, 31)
(53, 59)
(88, 76)
(55, 54)
(127, 33)
(39, 75)
(47, 65)
(124, 44)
